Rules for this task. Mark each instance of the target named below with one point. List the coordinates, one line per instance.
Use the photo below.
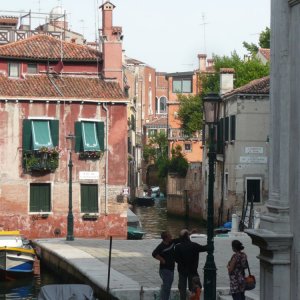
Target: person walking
(236, 270)
(164, 252)
(187, 258)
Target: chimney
(202, 62)
(111, 39)
(210, 62)
(226, 80)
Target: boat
(16, 255)
(134, 226)
(66, 291)
(156, 193)
(145, 200)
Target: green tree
(190, 113)
(263, 42)
(157, 147)
(245, 71)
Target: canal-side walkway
(134, 272)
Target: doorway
(253, 190)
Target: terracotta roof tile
(160, 121)
(42, 46)
(265, 52)
(68, 87)
(257, 86)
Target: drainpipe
(106, 160)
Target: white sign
(258, 150)
(88, 175)
(253, 159)
(126, 191)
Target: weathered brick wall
(15, 181)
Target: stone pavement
(134, 267)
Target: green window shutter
(220, 142)
(41, 134)
(54, 126)
(40, 197)
(89, 198)
(84, 198)
(232, 128)
(226, 133)
(93, 204)
(100, 132)
(89, 136)
(78, 139)
(26, 142)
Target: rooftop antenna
(83, 27)
(203, 24)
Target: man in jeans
(164, 252)
(187, 258)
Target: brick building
(50, 91)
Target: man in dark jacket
(187, 258)
(164, 252)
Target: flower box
(45, 159)
(90, 154)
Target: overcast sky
(166, 34)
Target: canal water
(28, 288)
(154, 220)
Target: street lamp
(211, 110)
(70, 220)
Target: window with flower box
(40, 145)
(89, 139)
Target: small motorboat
(145, 200)
(66, 291)
(134, 226)
(16, 255)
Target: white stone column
(278, 236)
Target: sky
(165, 34)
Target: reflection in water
(27, 288)
(154, 220)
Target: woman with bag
(236, 270)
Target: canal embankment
(134, 272)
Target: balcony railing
(178, 134)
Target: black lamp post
(211, 110)
(70, 221)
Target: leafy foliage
(245, 71)
(264, 42)
(157, 150)
(190, 113)
(178, 163)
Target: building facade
(52, 93)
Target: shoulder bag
(250, 280)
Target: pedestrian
(164, 252)
(196, 289)
(236, 271)
(187, 258)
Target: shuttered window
(89, 136)
(40, 197)
(89, 198)
(220, 138)
(232, 128)
(226, 133)
(40, 133)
